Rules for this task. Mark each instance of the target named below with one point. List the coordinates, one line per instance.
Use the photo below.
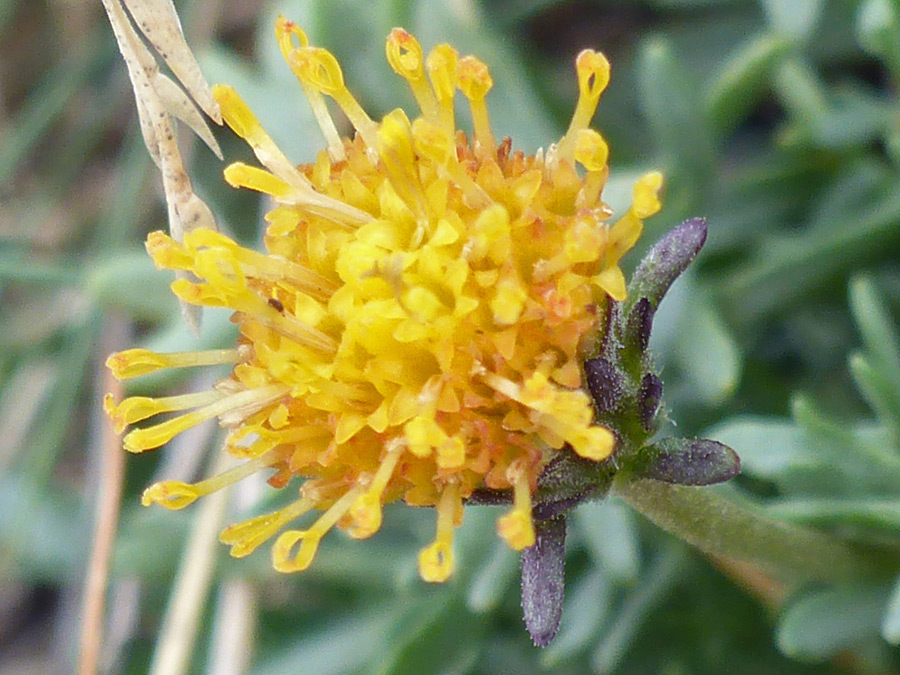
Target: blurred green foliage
(778, 120)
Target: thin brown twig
(112, 472)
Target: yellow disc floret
(416, 328)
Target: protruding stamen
(475, 82)
(136, 408)
(442, 64)
(593, 76)
(248, 401)
(516, 527)
(281, 551)
(404, 53)
(241, 298)
(240, 175)
(436, 560)
(645, 203)
(136, 362)
(246, 537)
(176, 495)
(286, 31)
(244, 123)
(319, 69)
(260, 266)
(366, 511)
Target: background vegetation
(778, 120)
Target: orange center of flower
(416, 328)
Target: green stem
(721, 527)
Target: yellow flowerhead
(417, 326)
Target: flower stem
(718, 526)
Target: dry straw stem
(157, 98)
(112, 475)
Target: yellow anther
(286, 31)
(404, 54)
(441, 65)
(240, 175)
(167, 253)
(137, 408)
(319, 69)
(176, 495)
(490, 236)
(243, 122)
(591, 150)
(646, 195)
(246, 537)
(282, 560)
(516, 527)
(246, 402)
(436, 562)
(475, 82)
(172, 494)
(366, 516)
(595, 443)
(136, 362)
(592, 69)
(474, 78)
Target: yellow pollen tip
(595, 443)
(172, 494)
(592, 69)
(404, 54)
(516, 529)
(646, 195)
(591, 151)
(474, 78)
(442, 65)
(240, 175)
(167, 253)
(365, 515)
(236, 113)
(285, 31)
(318, 68)
(246, 537)
(135, 362)
(436, 562)
(282, 560)
(593, 73)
